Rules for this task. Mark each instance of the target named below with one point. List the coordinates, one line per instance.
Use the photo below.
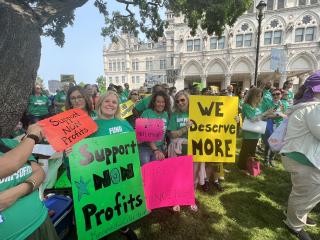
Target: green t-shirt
(143, 104)
(23, 217)
(178, 120)
(60, 98)
(126, 92)
(278, 107)
(38, 105)
(123, 97)
(285, 103)
(290, 95)
(300, 158)
(149, 113)
(111, 126)
(250, 112)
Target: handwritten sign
(212, 136)
(169, 182)
(126, 109)
(106, 184)
(149, 130)
(65, 129)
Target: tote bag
(256, 127)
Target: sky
(81, 54)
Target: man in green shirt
(37, 106)
(60, 99)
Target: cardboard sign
(212, 136)
(169, 182)
(126, 109)
(149, 130)
(65, 129)
(106, 184)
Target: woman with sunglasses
(38, 106)
(178, 129)
(134, 97)
(158, 109)
(274, 120)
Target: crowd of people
(300, 154)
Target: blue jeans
(146, 154)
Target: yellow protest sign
(126, 109)
(212, 136)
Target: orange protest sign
(67, 128)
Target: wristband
(34, 137)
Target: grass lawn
(250, 208)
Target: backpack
(276, 140)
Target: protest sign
(149, 130)
(126, 109)
(169, 182)
(65, 129)
(212, 136)
(106, 184)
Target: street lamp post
(260, 15)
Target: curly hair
(165, 97)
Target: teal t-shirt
(123, 97)
(143, 104)
(300, 158)
(60, 98)
(290, 95)
(278, 107)
(149, 113)
(23, 217)
(111, 126)
(38, 105)
(250, 112)
(178, 120)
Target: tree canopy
(22, 22)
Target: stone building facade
(292, 27)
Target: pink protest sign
(169, 182)
(149, 130)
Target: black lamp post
(260, 15)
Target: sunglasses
(276, 94)
(180, 100)
(134, 94)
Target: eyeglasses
(79, 98)
(276, 94)
(180, 100)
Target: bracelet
(31, 182)
(33, 137)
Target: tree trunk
(20, 49)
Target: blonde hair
(101, 100)
(178, 94)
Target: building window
(248, 39)
(189, 45)
(280, 4)
(299, 34)
(149, 64)
(123, 79)
(239, 40)
(117, 79)
(133, 80)
(221, 42)
(136, 47)
(118, 66)
(277, 37)
(213, 43)
(270, 5)
(123, 66)
(135, 65)
(196, 45)
(150, 45)
(302, 2)
(163, 64)
(267, 38)
(313, 1)
(137, 79)
(110, 79)
(250, 10)
(310, 34)
(114, 66)
(110, 66)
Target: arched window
(273, 32)
(270, 4)
(305, 29)
(302, 2)
(280, 4)
(244, 36)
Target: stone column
(227, 81)
(283, 78)
(204, 80)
